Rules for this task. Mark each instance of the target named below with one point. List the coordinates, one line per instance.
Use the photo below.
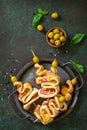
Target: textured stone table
(18, 37)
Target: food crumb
(58, 52)
(14, 69)
(1, 99)
(67, 51)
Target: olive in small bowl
(56, 37)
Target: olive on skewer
(35, 58)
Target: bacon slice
(27, 94)
(47, 92)
(52, 107)
(31, 98)
(54, 102)
(49, 109)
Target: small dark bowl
(63, 33)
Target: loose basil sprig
(37, 18)
(77, 39)
(41, 11)
(78, 67)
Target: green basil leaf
(77, 39)
(42, 11)
(78, 67)
(36, 20)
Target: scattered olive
(40, 27)
(54, 15)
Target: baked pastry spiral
(49, 81)
(67, 89)
(49, 109)
(40, 69)
(27, 94)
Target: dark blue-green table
(18, 37)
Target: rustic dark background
(18, 37)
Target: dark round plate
(27, 74)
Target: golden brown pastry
(48, 92)
(31, 99)
(41, 112)
(40, 69)
(49, 76)
(67, 89)
(49, 82)
(62, 106)
(49, 109)
(27, 94)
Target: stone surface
(18, 37)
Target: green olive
(52, 41)
(74, 81)
(54, 15)
(61, 33)
(54, 63)
(50, 34)
(61, 99)
(13, 79)
(62, 39)
(57, 42)
(56, 36)
(56, 30)
(35, 59)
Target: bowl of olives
(56, 37)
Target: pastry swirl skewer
(67, 89)
(49, 109)
(49, 81)
(27, 94)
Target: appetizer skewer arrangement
(55, 96)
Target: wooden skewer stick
(33, 52)
(34, 104)
(36, 120)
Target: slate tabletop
(18, 37)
